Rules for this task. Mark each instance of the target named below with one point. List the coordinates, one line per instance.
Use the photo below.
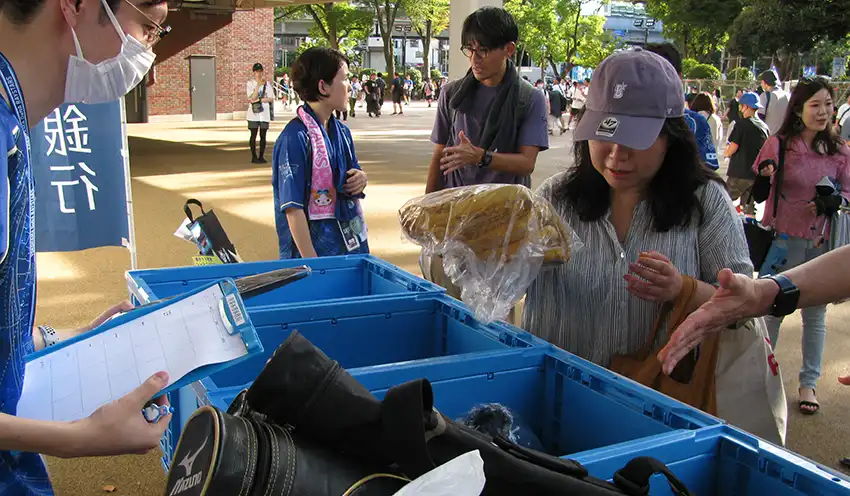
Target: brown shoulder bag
(692, 381)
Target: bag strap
(565, 466)
(676, 311)
(780, 176)
(188, 211)
(633, 479)
(405, 412)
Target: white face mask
(111, 79)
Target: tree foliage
(783, 29)
(703, 71)
(336, 25)
(555, 30)
(386, 12)
(429, 18)
(740, 74)
(698, 27)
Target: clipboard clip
(153, 413)
(234, 314)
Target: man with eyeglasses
(491, 124)
(55, 51)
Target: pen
(153, 412)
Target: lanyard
(13, 90)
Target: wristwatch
(486, 159)
(788, 297)
(48, 334)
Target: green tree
(554, 31)
(698, 27)
(341, 25)
(740, 74)
(594, 43)
(386, 12)
(783, 31)
(703, 71)
(429, 17)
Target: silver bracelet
(49, 335)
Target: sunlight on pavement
(55, 267)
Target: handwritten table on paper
(72, 382)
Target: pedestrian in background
(260, 98)
(703, 104)
(373, 95)
(745, 142)
(774, 100)
(812, 153)
(397, 92)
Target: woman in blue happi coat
(317, 181)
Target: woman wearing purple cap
(646, 209)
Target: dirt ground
(210, 161)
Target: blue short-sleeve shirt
(291, 174)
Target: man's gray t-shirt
(532, 132)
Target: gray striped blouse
(583, 306)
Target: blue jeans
(814, 318)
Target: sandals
(809, 407)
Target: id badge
(349, 236)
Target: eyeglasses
(154, 32)
(469, 51)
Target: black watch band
(786, 301)
(486, 159)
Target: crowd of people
(643, 194)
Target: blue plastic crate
(368, 334)
(362, 336)
(353, 276)
(570, 404)
(723, 461)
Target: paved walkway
(211, 162)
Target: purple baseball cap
(632, 94)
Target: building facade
(202, 68)
(630, 24)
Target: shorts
(258, 125)
(574, 111)
(397, 98)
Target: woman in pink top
(812, 152)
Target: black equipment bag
(208, 234)
(301, 387)
(226, 455)
(759, 238)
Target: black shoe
(845, 462)
(262, 161)
(256, 161)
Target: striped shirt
(583, 306)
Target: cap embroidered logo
(608, 127)
(619, 89)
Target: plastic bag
(462, 476)
(493, 239)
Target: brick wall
(249, 38)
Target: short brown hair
(314, 65)
(703, 102)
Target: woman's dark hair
(491, 27)
(793, 125)
(671, 193)
(703, 102)
(314, 65)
